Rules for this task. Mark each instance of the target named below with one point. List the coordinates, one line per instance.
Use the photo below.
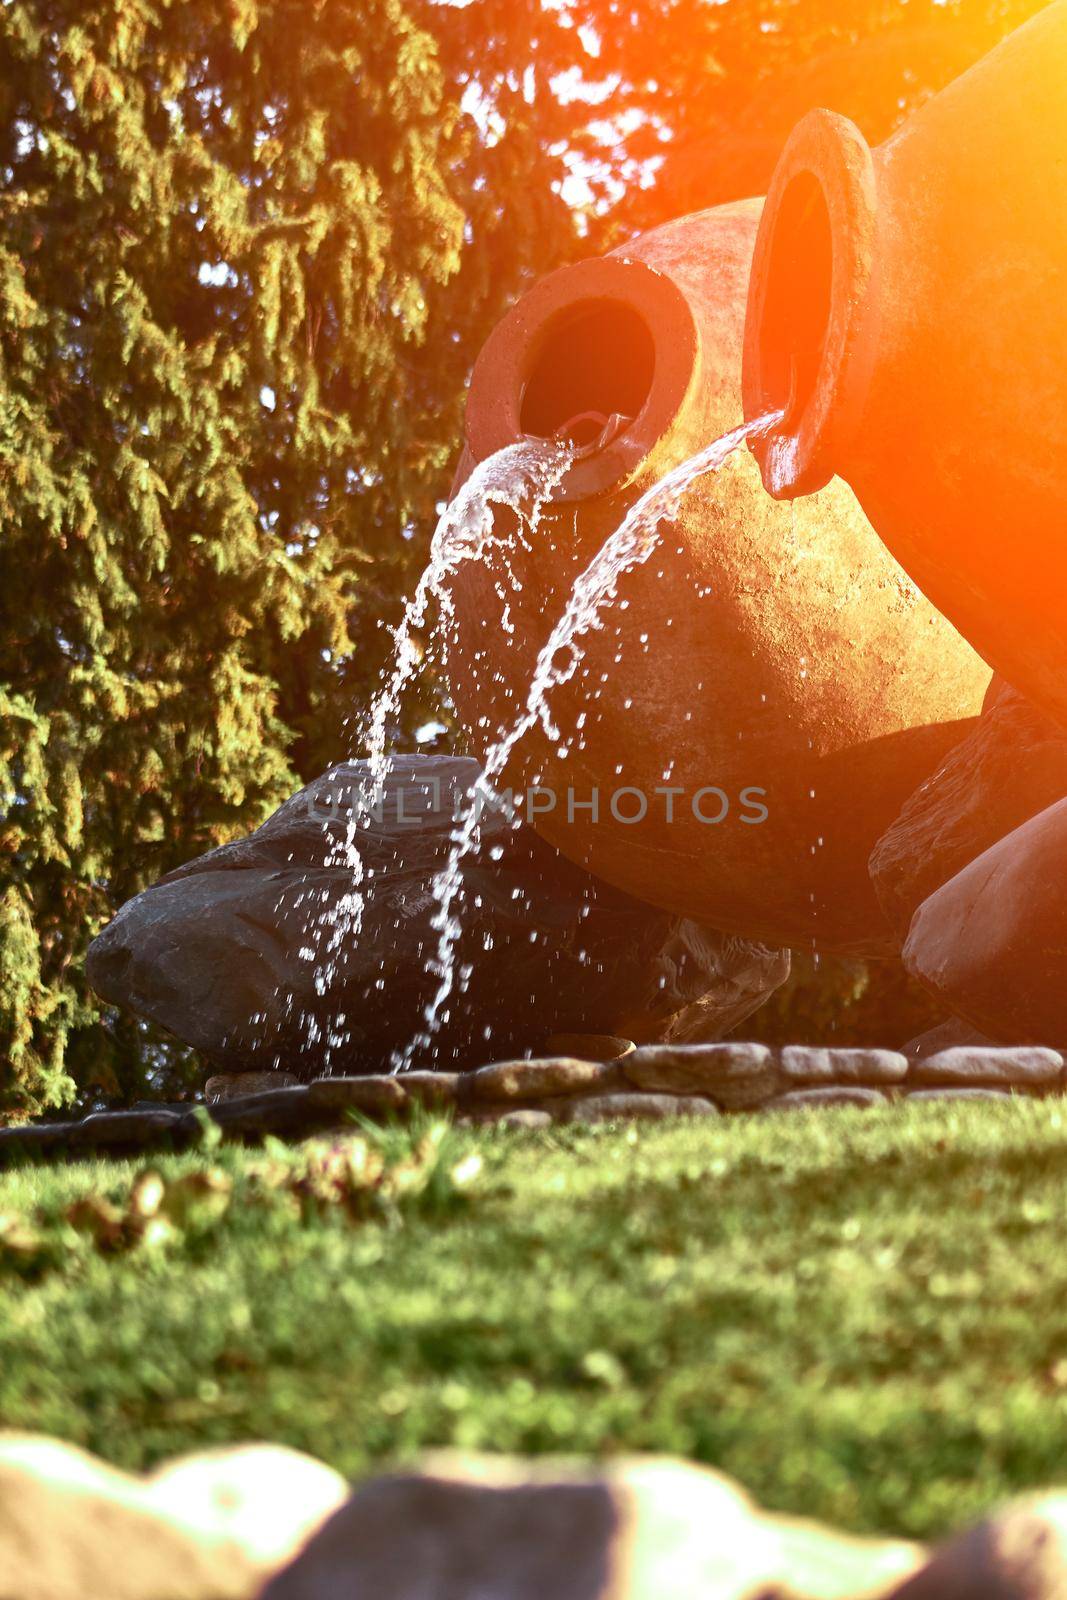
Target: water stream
(475, 526)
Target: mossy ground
(862, 1316)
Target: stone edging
(651, 1083)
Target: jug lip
(502, 373)
(808, 295)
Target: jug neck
(807, 339)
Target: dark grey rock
(277, 1111)
(35, 1139)
(104, 1130)
(992, 942)
(1009, 768)
(253, 954)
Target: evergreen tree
(226, 231)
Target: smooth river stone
(524, 1118)
(375, 1093)
(437, 1091)
(1023, 1067)
(540, 1080)
(823, 1099)
(817, 1066)
(960, 1094)
(274, 1111)
(736, 1076)
(103, 1129)
(632, 1107)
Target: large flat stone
(736, 1076)
(992, 942)
(309, 947)
(1008, 769)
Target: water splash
(519, 479)
(628, 547)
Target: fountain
(908, 310)
(736, 728)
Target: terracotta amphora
(908, 311)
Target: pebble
(628, 1107)
(650, 1082)
(527, 1117)
(844, 1094)
(540, 1080)
(960, 1094)
(737, 1077)
(815, 1065)
(1023, 1067)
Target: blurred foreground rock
(651, 1529)
(259, 1522)
(273, 953)
(205, 1527)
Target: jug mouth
(811, 271)
(604, 353)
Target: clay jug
(908, 310)
(772, 667)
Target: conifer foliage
(222, 223)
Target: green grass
(863, 1316)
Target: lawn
(863, 1316)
